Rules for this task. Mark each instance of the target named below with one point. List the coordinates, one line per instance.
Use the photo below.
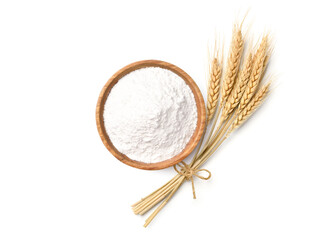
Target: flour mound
(150, 114)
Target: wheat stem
(159, 208)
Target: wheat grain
(233, 62)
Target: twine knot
(189, 173)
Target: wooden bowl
(200, 109)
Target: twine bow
(189, 173)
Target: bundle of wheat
(231, 97)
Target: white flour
(150, 114)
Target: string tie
(189, 173)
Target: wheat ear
(238, 90)
(256, 74)
(233, 62)
(214, 79)
(252, 106)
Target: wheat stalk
(233, 62)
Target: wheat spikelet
(213, 88)
(238, 90)
(266, 61)
(233, 62)
(262, 47)
(258, 68)
(265, 64)
(252, 106)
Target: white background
(58, 181)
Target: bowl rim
(201, 112)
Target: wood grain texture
(200, 109)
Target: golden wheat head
(259, 64)
(214, 80)
(233, 62)
(239, 88)
(252, 106)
